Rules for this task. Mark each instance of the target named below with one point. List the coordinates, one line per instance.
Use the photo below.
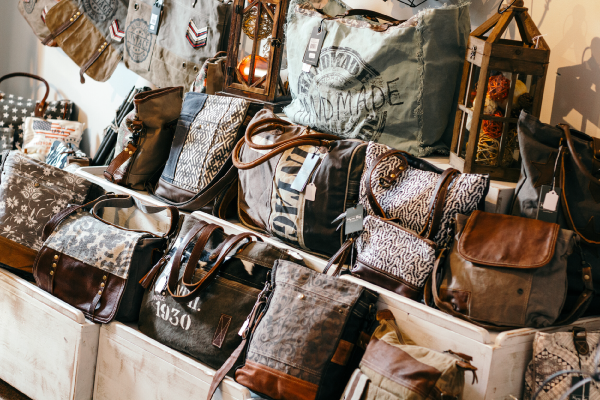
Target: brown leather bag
(505, 272)
(150, 128)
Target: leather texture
(17, 256)
(386, 281)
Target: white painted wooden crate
(47, 348)
(501, 358)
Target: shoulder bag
(378, 79)
(205, 291)
(574, 159)
(95, 265)
(148, 131)
(305, 336)
(269, 159)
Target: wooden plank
(486, 26)
(501, 26)
(508, 65)
(520, 53)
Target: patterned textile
(31, 193)
(39, 134)
(196, 36)
(396, 251)
(7, 137)
(408, 198)
(554, 352)
(209, 142)
(96, 243)
(14, 110)
(57, 157)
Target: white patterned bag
(562, 351)
(404, 192)
(199, 166)
(39, 134)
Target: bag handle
(567, 131)
(309, 139)
(339, 258)
(41, 106)
(436, 205)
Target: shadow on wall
(578, 90)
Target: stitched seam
(288, 363)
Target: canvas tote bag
(391, 83)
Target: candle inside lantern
(260, 67)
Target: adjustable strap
(340, 257)
(117, 162)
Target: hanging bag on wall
(387, 82)
(570, 161)
(94, 264)
(269, 159)
(187, 34)
(34, 12)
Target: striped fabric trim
(115, 32)
(356, 387)
(44, 12)
(196, 37)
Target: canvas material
(14, 110)
(102, 13)
(391, 249)
(401, 92)
(123, 133)
(96, 243)
(407, 199)
(31, 193)
(554, 352)
(39, 134)
(32, 12)
(168, 59)
(57, 156)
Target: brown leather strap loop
(436, 205)
(369, 176)
(117, 162)
(41, 106)
(196, 253)
(567, 131)
(339, 258)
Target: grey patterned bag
(199, 165)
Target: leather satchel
(95, 265)
(269, 159)
(505, 272)
(200, 298)
(305, 336)
(148, 131)
(574, 159)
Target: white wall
(572, 94)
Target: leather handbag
(34, 12)
(403, 189)
(507, 272)
(394, 368)
(574, 158)
(211, 77)
(379, 79)
(31, 192)
(200, 298)
(148, 131)
(95, 265)
(16, 109)
(269, 159)
(90, 35)
(189, 33)
(305, 336)
(199, 167)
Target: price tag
(313, 50)
(548, 204)
(305, 172)
(155, 17)
(354, 219)
(310, 192)
(551, 201)
(306, 67)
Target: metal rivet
(36, 184)
(300, 296)
(195, 68)
(51, 272)
(78, 12)
(99, 292)
(56, 257)
(99, 50)
(104, 277)
(53, 265)
(183, 65)
(71, 19)
(392, 176)
(341, 311)
(131, 152)
(520, 291)
(102, 284)
(586, 277)
(164, 293)
(136, 6)
(105, 43)
(40, 109)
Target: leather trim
(16, 255)
(221, 330)
(498, 240)
(275, 384)
(386, 281)
(342, 353)
(460, 299)
(175, 194)
(399, 367)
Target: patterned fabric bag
(14, 109)
(305, 336)
(403, 189)
(199, 167)
(94, 264)
(39, 134)
(562, 351)
(60, 152)
(30, 194)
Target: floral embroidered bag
(31, 192)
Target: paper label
(155, 17)
(548, 204)
(306, 67)
(310, 192)
(313, 50)
(551, 201)
(305, 172)
(354, 219)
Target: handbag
(15, 109)
(39, 134)
(393, 368)
(34, 12)
(574, 158)
(148, 131)
(211, 77)
(61, 153)
(568, 352)
(95, 265)
(206, 290)
(269, 159)
(394, 186)
(90, 35)
(305, 336)
(199, 165)
(505, 271)
(189, 33)
(31, 192)
(388, 82)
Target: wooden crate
(47, 348)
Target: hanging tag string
(536, 39)
(501, 11)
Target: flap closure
(498, 240)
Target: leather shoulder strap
(117, 162)
(387, 180)
(436, 205)
(339, 258)
(41, 106)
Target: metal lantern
(254, 53)
(501, 77)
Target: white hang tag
(306, 67)
(551, 201)
(310, 192)
(243, 328)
